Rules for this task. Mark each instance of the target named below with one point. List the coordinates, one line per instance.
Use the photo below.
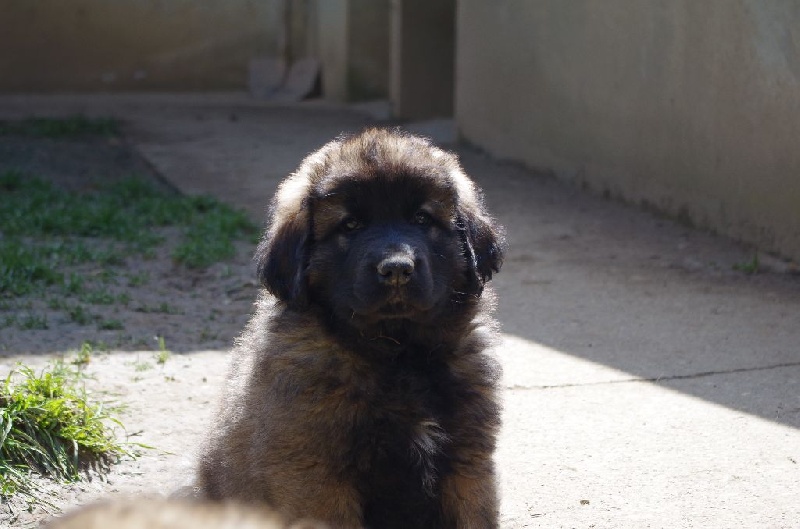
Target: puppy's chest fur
(399, 445)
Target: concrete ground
(647, 383)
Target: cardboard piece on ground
(266, 76)
(300, 81)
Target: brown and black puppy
(158, 513)
(361, 393)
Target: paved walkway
(647, 383)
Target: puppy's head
(379, 226)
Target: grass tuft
(163, 353)
(48, 427)
(749, 267)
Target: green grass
(99, 297)
(141, 365)
(33, 321)
(162, 308)
(138, 279)
(83, 355)
(163, 353)
(78, 314)
(48, 426)
(110, 325)
(749, 267)
(24, 268)
(209, 237)
(45, 232)
(126, 212)
(72, 126)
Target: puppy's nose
(395, 271)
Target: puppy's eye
(422, 218)
(351, 224)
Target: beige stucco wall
(692, 107)
(87, 45)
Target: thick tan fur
(290, 431)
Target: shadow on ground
(645, 296)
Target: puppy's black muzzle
(394, 278)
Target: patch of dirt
(198, 313)
(77, 163)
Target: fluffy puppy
(362, 392)
(153, 513)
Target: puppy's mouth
(395, 310)
(392, 308)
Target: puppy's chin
(394, 312)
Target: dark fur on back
(361, 392)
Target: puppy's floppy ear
(483, 239)
(282, 257)
(483, 242)
(283, 253)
